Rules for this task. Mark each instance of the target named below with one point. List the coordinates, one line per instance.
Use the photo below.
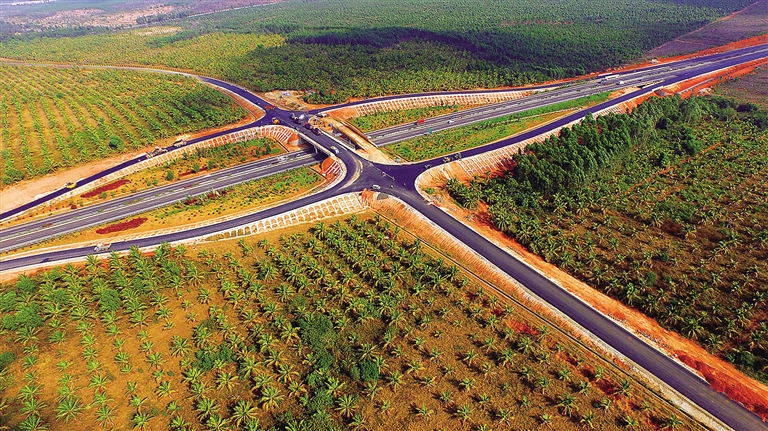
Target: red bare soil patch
(732, 388)
(104, 188)
(118, 227)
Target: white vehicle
(620, 82)
(101, 247)
(376, 187)
(451, 121)
(334, 149)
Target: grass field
(475, 135)
(353, 324)
(55, 118)
(751, 88)
(673, 223)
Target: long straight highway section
(549, 96)
(146, 200)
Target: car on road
(275, 120)
(376, 187)
(71, 185)
(101, 247)
(334, 149)
(451, 121)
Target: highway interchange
(362, 174)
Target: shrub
(5, 359)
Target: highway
(146, 200)
(609, 83)
(399, 181)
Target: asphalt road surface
(640, 78)
(363, 174)
(146, 200)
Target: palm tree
(469, 357)
(225, 380)
(164, 389)
(543, 384)
(629, 421)
(104, 415)
(244, 411)
(545, 419)
(584, 387)
(179, 346)
(567, 405)
(464, 413)
(217, 423)
(69, 408)
(624, 388)
(587, 419)
(346, 405)
(395, 379)
(504, 416)
(424, 412)
(270, 397)
(467, 383)
(178, 423)
(141, 420)
(672, 422)
(206, 407)
(33, 423)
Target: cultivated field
(55, 118)
(349, 324)
(664, 209)
(751, 88)
(363, 48)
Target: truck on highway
(101, 247)
(419, 122)
(179, 143)
(156, 152)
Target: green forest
(664, 209)
(342, 49)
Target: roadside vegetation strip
(220, 335)
(56, 118)
(382, 120)
(474, 135)
(121, 226)
(662, 209)
(102, 191)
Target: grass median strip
(461, 138)
(381, 120)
